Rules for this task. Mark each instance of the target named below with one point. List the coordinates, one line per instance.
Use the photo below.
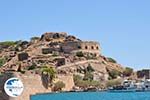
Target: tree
(128, 71)
(58, 86)
(111, 60)
(90, 68)
(50, 72)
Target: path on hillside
(79, 63)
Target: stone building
(83, 46)
(61, 42)
(47, 50)
(144, 74)
(23, 56)
(60, 61)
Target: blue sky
(121, 26)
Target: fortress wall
(32, 85)
(85, 46)
(68, 80)
(70, 46)
(90, 45)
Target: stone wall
(68, 80)
(90, 47)
(47, 50)
(23, 56)
(70, 46)
(85, 46)
(60, 61)
(32, 85)
(3, 79)
(53, 35)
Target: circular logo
(13, 87)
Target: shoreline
(106, 91)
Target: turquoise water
(94, 96)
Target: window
(97, 48)
(92, 47)
(79, 47)
(86, 47)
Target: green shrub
(35, 38)
(80, 70)
(96, 84)
(90, 56)
(111, 60)
(78, 81)
(58, 86)
(7, 44)
(88, 76)
(112, 83)
(1, 74)
(83, 84)
(49, 71)
(32, 67)
(113, 74)
(86, 82)
(77, 78)
(2, 62)
(55, 54)
(23, 72)
(128, 71)
(90, 68)
(80, 54)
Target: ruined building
(83, 46)
(68, 44)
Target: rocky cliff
(66, 54)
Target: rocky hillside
(66, 54)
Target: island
(59, 62)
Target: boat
(131, 86)
(144, 86)
(127, 86)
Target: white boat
(127, 86)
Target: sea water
(94, 96)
